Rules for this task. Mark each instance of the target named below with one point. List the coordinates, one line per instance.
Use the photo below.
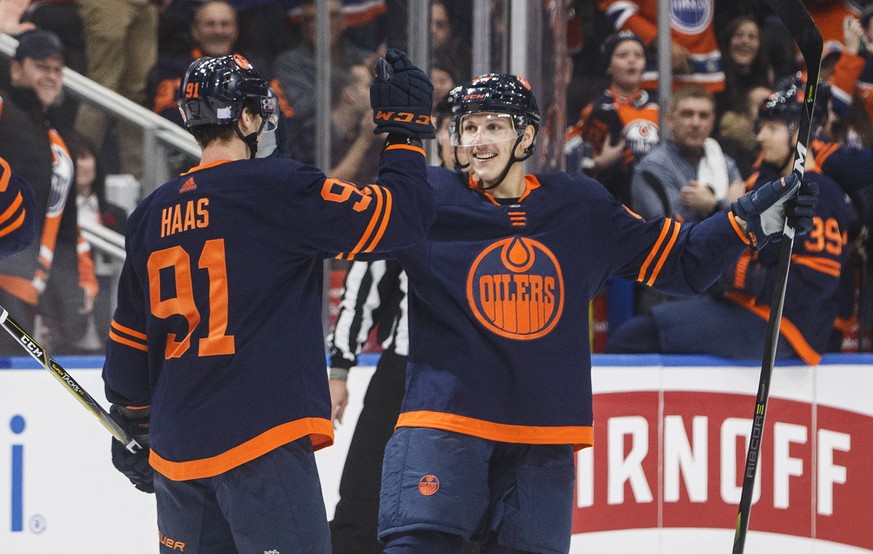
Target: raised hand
(401, 96)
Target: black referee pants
(353, 529)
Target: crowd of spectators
(727, 56)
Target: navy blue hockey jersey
(17, 212)
(498, 301)
(218, 326)
(811, 299)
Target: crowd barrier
(664, 475)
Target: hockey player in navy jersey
(17, 212)
(215, 359)
(498, 386)
(731, 321)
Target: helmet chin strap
(513, 159)
(458, 165)
(250, 139)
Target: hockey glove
(401, 96)
(134, 466)
(801, 209)
(763, 210)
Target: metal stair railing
(160, 135)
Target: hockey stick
(808, 38)
(39, 354)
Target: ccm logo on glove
(403, 117)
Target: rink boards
(664, 475)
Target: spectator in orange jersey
(621, 125)
(36, 151)
(831, 17)
(851, 77)
(695, 56)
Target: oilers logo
(691, 16)
(515, 289)
(641, 136)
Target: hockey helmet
(495, 93)
(786, 104)
(215, 91)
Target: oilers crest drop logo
(515, 288)
(691, 16)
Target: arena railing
(160, 136)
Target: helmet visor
(479, 129)
(269, 110)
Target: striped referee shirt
(374, 296)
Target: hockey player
(732, 321)
(215, 358)
(498, 385)
(17, 212)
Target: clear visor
(270, 111)
(480, 129)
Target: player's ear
(248, 119)
(528, 137)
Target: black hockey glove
(801, 209)
(134, 466)
(764, 210)
(401, 96)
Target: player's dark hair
(206, 134)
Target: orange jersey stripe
(386, 217)
(669, 248)
(377, 213)
(319, 430)
(824, 151)
(9, 226)
(5, 176)
(787, 329)
(823, 265)
(127, 342)
(128, 330)
(206, 166)
(580, 436)
(671, 229)
(654, 250)
(405, 147)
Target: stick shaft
(802, 27)
(38, 353)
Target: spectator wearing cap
(37, 152)
(620, 126)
